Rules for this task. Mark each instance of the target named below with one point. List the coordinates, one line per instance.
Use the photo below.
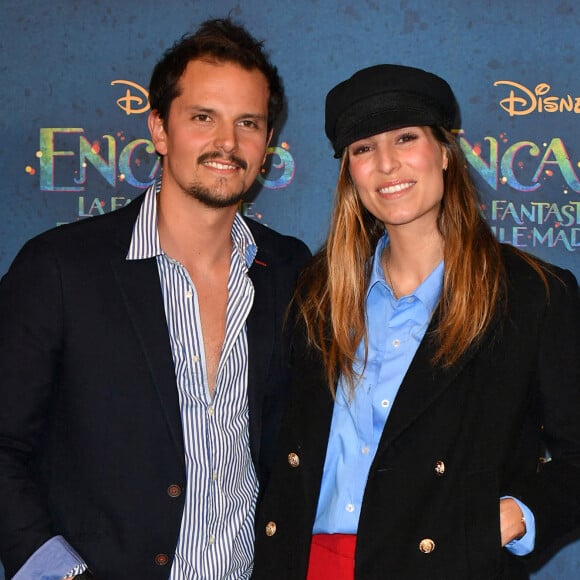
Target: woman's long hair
(331, 292)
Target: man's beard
(210, 198)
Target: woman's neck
(407, 261)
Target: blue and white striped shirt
(216, 538)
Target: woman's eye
(360, 149)
(407, 137)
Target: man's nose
(226, 138)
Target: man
(142, 357)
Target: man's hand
(511, 521)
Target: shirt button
(396, 343)
(349, 508)
(440, 468)
(195, 358)
(210, 411)
(426, 546)
(189, 294)
(161, 559)
(365, 450)
(270, 528)
(384, 403)
(174, 490)
(293, 460)
(214, 475)
(211, 540)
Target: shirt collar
(429, 290)
(243, 240)
(145, 238)
(377, 274)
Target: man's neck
(189, 230)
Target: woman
(431, 365)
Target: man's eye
(249, 123)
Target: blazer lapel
(260, 333)
(422, 385)
(140, 290)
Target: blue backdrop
(75, 143)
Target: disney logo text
(526, 101)
(133, 104)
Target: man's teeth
(218, 165)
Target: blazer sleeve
(30, 342)
(554, 494)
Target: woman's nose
(387, 158)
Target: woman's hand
(511, 521)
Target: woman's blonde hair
(331, 292)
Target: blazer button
(174, 490)
(293, 460)
(427, 545)
(161, 559)
(439, 468)
(270, 528)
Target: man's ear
(270, 134)
(157, 130)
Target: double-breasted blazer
(91, 443)
(457, 439)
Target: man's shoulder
(96, 238)
(277, 246)
(104, 228)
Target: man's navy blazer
(91, 443)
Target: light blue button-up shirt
(395, 330)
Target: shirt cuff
(54, 560)
(524, 545)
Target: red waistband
(331, 556)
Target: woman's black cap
(385, 97)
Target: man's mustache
(216, 155)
